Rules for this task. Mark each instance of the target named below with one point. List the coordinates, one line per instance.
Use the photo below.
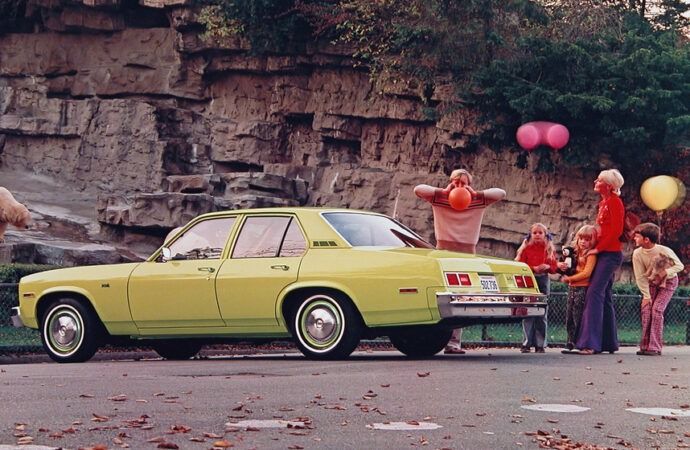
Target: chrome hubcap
(321, 324)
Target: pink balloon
(534, 134)
(557, 136)
(528, 136)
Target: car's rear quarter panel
(374, 280)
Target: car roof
(288, 210)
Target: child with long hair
(585, 239)
(537, 251)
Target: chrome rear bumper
(16, 317)
(468, 306)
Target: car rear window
(373, 230)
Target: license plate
(489, 283)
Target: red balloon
(459, 198)
(557, 136)
(528, 136)
(534, 134)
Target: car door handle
(206, 269)
(280, 266)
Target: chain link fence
(676, 327)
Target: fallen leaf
(118, 398)
(180, 429)
(423, 374)
(336, 407)
(223, 444)
(168, 445)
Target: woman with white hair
(598, 332)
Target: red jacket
(534, 254)
(610, 218)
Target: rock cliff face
(124, 101)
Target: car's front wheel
(70, 331)
(421, 341)
(176, 349)
(326, 326)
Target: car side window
(205, 240)
(294, 243)
(269, 237)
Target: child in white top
(655, 295)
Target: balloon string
(660, 222)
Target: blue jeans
(534, 328)
(598, 329)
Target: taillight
(523, 281)
(458, 279)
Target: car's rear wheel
(70, 331)
(326, 326)
(176, 349)
(421, 341)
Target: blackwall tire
(176, 349)
(420, 342)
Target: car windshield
(373, 230)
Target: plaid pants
(653, 316)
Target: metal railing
(676, 326)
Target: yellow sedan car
(325, 277)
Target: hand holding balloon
(459, 198)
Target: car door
(264, 260)
(180, 292)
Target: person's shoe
(648, 353)
(586, 351)
(539, 350)
(453, 351)
(569, 346)
(524, 349)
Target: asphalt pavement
(489, 398)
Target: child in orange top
(585, 239)
(538, 253)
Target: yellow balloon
(659, 192)
(680, 198)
